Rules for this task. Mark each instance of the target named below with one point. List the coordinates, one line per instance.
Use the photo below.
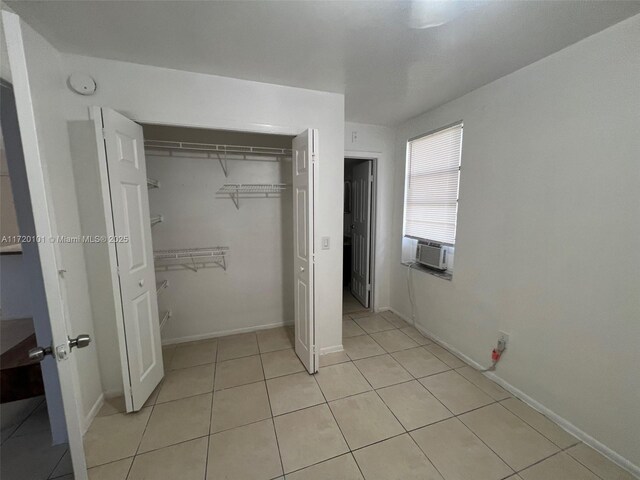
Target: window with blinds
(431, 188)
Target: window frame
(459, 123)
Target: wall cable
(496, 354)
(413, 307)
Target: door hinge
(369, 287)
(104, 134)
(371, 178)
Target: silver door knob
(141, 282)
(39, 353)
(302, 269)
(80, 341)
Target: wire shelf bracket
(156, 219)
(151, 183)
(234, 190)
(223, 165)
(163, 321)
(160, 286)
(192, 259)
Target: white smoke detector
(82, 83)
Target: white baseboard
(88, 419)
(615, 457)
(222, 333)
(332, 349)
(206, 336)
(113, 393)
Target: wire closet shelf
(191, 258)
(222, 153)
(234, 190)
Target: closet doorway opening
(217, 230)
(223, 244)
(251, 196)
(359, 234)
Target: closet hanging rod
(217, 148)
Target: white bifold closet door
(134, 280)
(304, 164)
(361, 232)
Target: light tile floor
(393, 405)
(349, 303)
(26, 451)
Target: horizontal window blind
(433, 175)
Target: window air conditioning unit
(432, 255)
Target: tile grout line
(389, 438)
(50, 477)
(153, 406)
(146, 425)
(349, 451)
(394, 359)
(273, 423)
(534, 428)
(322, 461)
(13, 434)
(206, 461)
(481, 440)
(154, 450)
(406, 431)
(586, 466)
(379, 397)
(426, 456)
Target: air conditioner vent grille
(432, 255)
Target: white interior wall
(373, 141)
(256, 290)
(169, 97)
(548, 234)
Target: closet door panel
(303, 191)
(139, 327)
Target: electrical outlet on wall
(503, 338)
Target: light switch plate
(326, 243)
